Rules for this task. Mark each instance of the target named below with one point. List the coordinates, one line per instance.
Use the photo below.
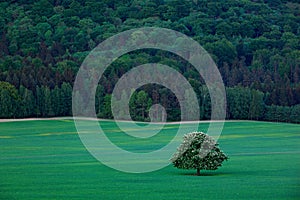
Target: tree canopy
(198, 151)
(254, 43)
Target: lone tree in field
(198, 151)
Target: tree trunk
(198, 172)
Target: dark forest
(255, 44)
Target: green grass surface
(46, 160)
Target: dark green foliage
(295, 113)
(27, 104)
(105, 109)
(245, 103)
(140, 104)
(9, 100)
(283, 113)
(255, 44)
(198, 151)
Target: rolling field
(46, 160)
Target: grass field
(46, 160)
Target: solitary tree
(198, 151)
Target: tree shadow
(203, 173)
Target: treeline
(254, 43)
(243, 104)
(43, 102)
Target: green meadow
(45, 159)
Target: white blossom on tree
(198, 151)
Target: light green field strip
(5, 137)
(55, 133)
(265, 153)
(262, 135)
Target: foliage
(9, 100)
(198, 151)
(255, 44)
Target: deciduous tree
(198, 151)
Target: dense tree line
(46, 102)
(243, 103)
(256, 45)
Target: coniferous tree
(9, 100)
